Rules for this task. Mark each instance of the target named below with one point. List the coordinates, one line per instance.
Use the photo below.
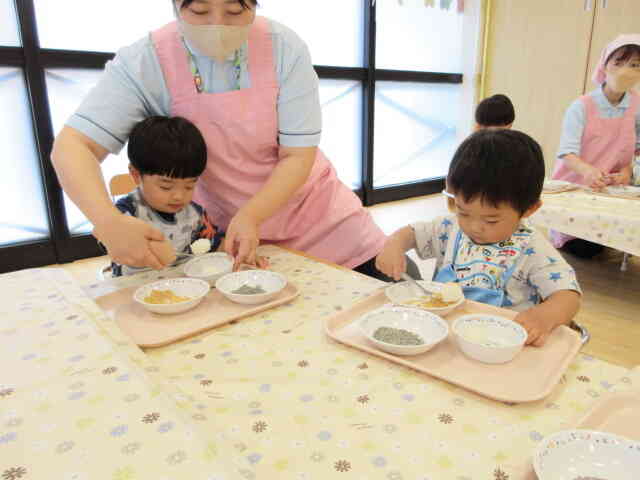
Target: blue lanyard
(197, 78)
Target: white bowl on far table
(428, 326)
(576, 454)
(401, 292)
(489, 338)
(271, 282)
(209, 267)
(193, 288)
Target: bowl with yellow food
(174, 295)
(444, 299)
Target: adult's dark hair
(169, 146)
(627, 51)
(495, 111)
(498, 166)
(244, 3)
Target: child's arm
(540, 320)
(391, 260)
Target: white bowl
(271, 282)
(574, 454)
(429, 326)
(183, 287)
(489, 338)
(399, 293)
(209, 267)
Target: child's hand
(536, 326)
(391, 261)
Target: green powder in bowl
(397, 336)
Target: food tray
(148, 329)
(531, 376)
(617, 413)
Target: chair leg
(625, 262)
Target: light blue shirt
(133, 88)
(575, 118)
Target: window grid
(62, 246)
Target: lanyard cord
(197, 78)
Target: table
(270, 397)
(609, 221)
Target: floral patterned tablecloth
(610, 221)
(270, 397)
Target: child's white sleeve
(432, 237)
(548, 271)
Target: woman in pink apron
(255, 188)
(600, 131)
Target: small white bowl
(400, 292)
(193, 288)
(209, 267)
(489, 338)
(429, 326)
(273, 283)
(574, 454)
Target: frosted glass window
(98, 25)
(67, 87)
(333, 29)
(342, 128)
(9, 36)
(415, 131)
(24, 214)
(412, 36)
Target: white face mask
(623, 79)
(215, 41)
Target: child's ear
(135, 174)
(508, 127)
(477, 127)
(532, 209)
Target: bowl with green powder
(251, 287)
(403, 330)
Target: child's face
(166, 194)
(484, 223)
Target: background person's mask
(623, 79)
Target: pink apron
(323, 218)
(607, 143)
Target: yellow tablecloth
(270, 397)
(614, 222)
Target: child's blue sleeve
(127, 205)
(572, 129)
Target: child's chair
(119, 185)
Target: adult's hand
(593, 176)
(242, 239)
(127, 241)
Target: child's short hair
(498, 166)
(169, 146)
(495, 111)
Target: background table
(270, 397)
(613, 222)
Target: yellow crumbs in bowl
(433, 301)
(164, 297)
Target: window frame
(63, 247)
